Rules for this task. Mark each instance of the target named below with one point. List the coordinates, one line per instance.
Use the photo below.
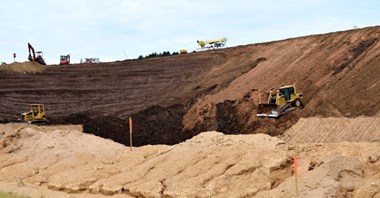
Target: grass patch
(11, 195)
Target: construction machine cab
(39, 54)
(64, 60)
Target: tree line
(155, 54)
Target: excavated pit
(164, 125)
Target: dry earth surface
(338, 74)
(333, 129)
(52, 160)
(25, 67)
(174, 99)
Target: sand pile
(57, 160)
(24, 67)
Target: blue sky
(108, 28)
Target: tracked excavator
(216, 43)
(285, 100)
(36, 56)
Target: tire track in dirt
(329, 130)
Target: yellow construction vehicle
(213, 43)
(182, 51)
(34, 115)
(285, 100)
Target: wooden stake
(130, 132)
(259, 96)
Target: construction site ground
(194, 126)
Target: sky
(124, 29)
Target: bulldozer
(285, 100)
(34, 115)
(36, 56)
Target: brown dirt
(154, 125)
(313, 130)
(60, 161)
(337, 73)
(217, 90)
(25, 67)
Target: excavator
(64, 60)
(286, 99)
(216, 43)
(34, 115)
(36, 56)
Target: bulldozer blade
(35, 122)
(275, 115)
(38, 122)
(18, 122)
(267, 110)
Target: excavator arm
(32, 53)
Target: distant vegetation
(155, 54)
(11, 195)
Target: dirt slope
(57, 159)
(313, 130)
(338, 74)
(213, 90)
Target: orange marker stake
(130, 132)
(296, 175)
(259, 96)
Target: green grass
(11, 195)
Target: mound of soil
(61, 162)
(24, 67)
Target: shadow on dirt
(154, 125)
(164, 125)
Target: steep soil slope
(338, 74)
(118, 88)
(209, 165)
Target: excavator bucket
(268, 110)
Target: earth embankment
(212, 90)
